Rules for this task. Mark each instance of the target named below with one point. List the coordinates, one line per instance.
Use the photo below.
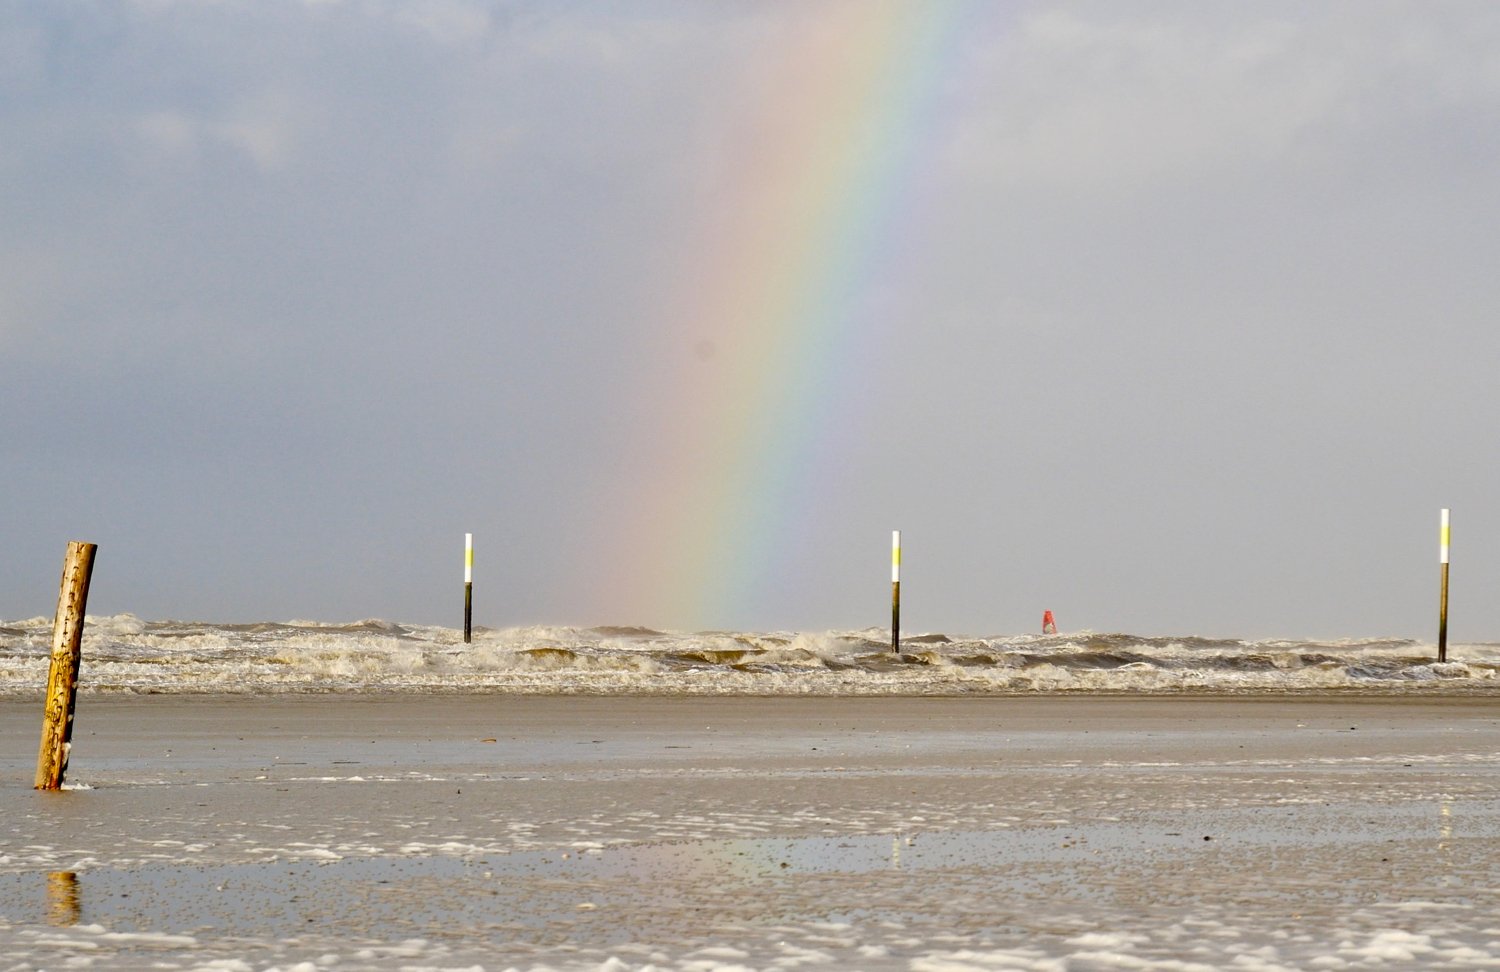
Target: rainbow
(812, 223)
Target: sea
(126, 654)
(1313, 844)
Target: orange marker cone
(1049, 626)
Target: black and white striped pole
(1443, 598)
(468, 586)
(896, 591)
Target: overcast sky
(1176, 318)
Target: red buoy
(1049, 626)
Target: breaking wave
(123, 653)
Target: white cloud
(269, 128)
(449, 22)
(1137, 98)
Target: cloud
(1091, 99)
(1169, 271)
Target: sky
(1169, 317)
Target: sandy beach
(495, 832)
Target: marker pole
(468, 586)
(1443, 600)
(896, 591)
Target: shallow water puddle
(558, 888)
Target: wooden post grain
(62, 675)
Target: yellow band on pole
(1443, 540)
(895, 556)
(468, 558)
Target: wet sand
(718, 833)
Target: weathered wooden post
(1443, 598)
(468, 586)
(62, 675)
(896, 591)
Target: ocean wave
(123, 653)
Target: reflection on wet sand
(62, 898)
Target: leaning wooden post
(1443, 598)
(62, 676)
(468, 586)
(896, 591)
